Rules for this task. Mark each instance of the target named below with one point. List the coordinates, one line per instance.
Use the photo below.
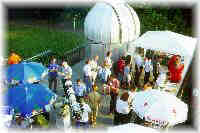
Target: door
(96, 49)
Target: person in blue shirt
(53, 74)
(80, 90)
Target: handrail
(38, 55)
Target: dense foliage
(174, 19)
(29, 40)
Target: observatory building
(110, 26)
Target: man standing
(120, 68)
(87, 70)
(127, 75)
(80, 90)
(53, 74)
(147, 68)
(138, 64)
(66, 73)
(108, 61)
(94, 68)
(94, 102)
(156, 68)
(114, 91)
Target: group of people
(85, 96)
(138, 71)
(88, 91)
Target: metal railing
(43, 57)
(75, 55)
(72, 56)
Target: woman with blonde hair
(148, 86)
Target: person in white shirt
(138, 61)
(127, 75)
(104, 73)
(138, 64)
(123, 110)
(131, 93)
(94, 68)
(108, 61)
(84, 115)
(71, 95)
(147, 68)
(66, 73)
(87, 70)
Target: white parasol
(131, 128)
(160, 107)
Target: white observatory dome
(112, 22)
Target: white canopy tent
(169, 42)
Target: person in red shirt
(114, 85)
(120, 68)
(175, 68)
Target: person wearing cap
(83, 122)
(53, 74)
(94, 102)
(66, 73)
(14, 58)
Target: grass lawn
(29, 40)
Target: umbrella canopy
(131, 128)
(25, 72)
(26, 98)
(160, 107)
